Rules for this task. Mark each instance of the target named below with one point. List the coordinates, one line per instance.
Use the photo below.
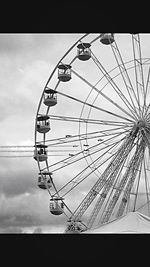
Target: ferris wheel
(92, 130)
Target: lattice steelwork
(95, 108)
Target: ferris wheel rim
(59, 92)
(98, 94)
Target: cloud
(26, 63)
(27, 209)
(14, 44)
(17, 176)
(11, 230)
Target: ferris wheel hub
(120, 157)
(143, 124)
(143, 127)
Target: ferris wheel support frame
(136, 125)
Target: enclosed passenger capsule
(84, 51)
(40, 153)
(56, 206)
(43, 124)
(107, 38)
(64, 72)
(45, 180)
(50, 97)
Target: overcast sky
(26, 61)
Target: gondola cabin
(84, 51)
(50, 97)
(64, 72)
(107, 38)
(56, 206)
(45, 180)
(40, 152)
(43, 124)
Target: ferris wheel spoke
(114, 85)
(146, 186)
(115, 135)
(123, 151)
(86, 176)
(86, 34)
(105, 141)
(66, 161)
(131, 179)
(61, 141)
(119, 189)
(108, 186)
(106, 97)
(110, 147)
(137, 188)
(108, 208)
(102, 197)
(100, 149)
(146, 91)
(103, 95)
(87, 120)
(69, 160)
(109, 150)
(86, 136)
(138, 70)
(124, 74)
(93, 106)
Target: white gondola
(43, 124)
(84, 51)
(40, 153)
(45, 180)
(56, 206)
(112, 140)
(107, 38)
(64, 72)
(50, 97)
